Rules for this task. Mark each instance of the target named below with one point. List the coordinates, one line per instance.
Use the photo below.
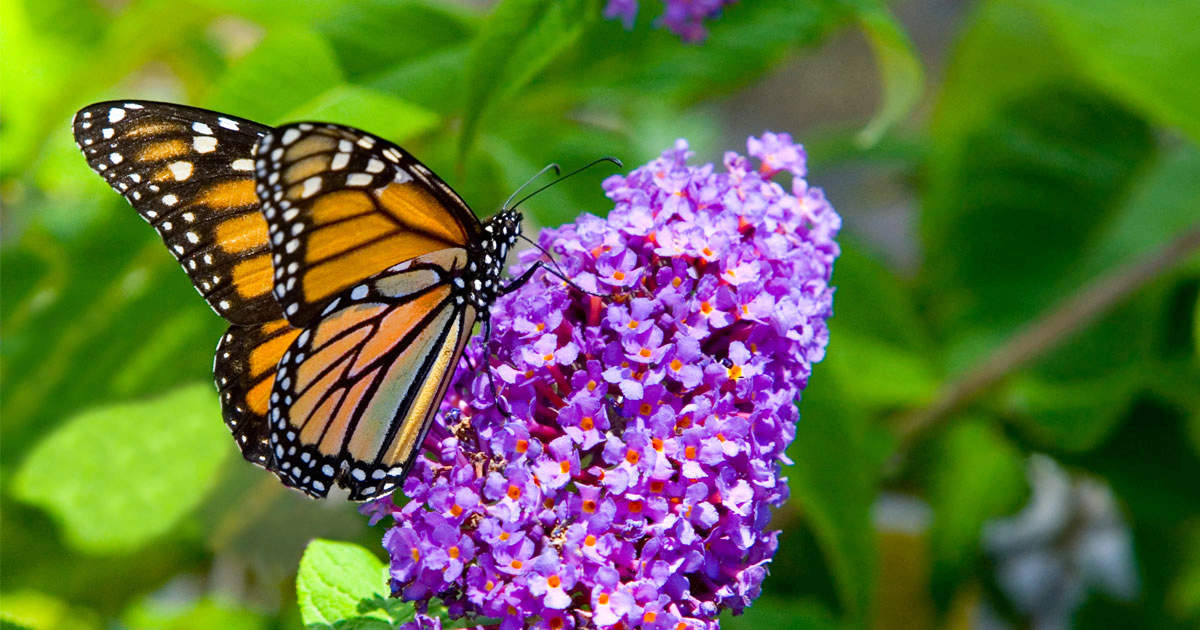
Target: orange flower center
(645, 352)
(590, 541)
(522, 446)
(632, 456)
(516, 564)
(618, 275)
(565, 467)
(705, 307)
(589, 506)
(690, 452)
(676, 364)
(553, 581)
(586, 423)
(514, 492)
(453, 552)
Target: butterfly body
(351, 274)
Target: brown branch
(1050, 330)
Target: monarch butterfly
(350, 273)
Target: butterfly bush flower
(685, 18)
(631, 484)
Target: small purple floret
(685, 18)
(632, 484)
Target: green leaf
(516, 42)
(118, 476)
(1072, 415)
(977, 475)
(1050, 158)
(880, 376)
(1143, 54)
(901, 71)
(385, 115)
(1161, 206)
(288, 68)
(339, 582)
(377, 36)
(873, 301)
(837, 457)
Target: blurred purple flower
(631, 486)
(685, 18)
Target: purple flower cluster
(685, 18)
(630, 484)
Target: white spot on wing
(115, 114)
(311, 186)
(181, 170)
(242, 164)
(204, 144)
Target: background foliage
(1056, 149)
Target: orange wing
(244, 369)
(356, 392)
(190, 173)
(342, 206)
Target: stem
(1049, 331)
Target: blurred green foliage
(1063, 143)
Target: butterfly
(351, 276)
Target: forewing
(343, 205)
(244, 369)
(190, 173)
(357, 391)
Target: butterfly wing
(357, 390)
(190, 173)
(244, 369)
(342, 206)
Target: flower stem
(1048, 331)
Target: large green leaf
(516, 42)
(977, 475)
(288, 68)
(901, 71)
(378, 36)
(1145, 54)
(118, 476)
(336, 584)
(380, 113)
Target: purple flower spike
(629, 487)
(685, 18)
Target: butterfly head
(499, 234)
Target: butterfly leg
(487, 346)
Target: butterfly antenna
(549, 167)
(561, 178)
(557, 271)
